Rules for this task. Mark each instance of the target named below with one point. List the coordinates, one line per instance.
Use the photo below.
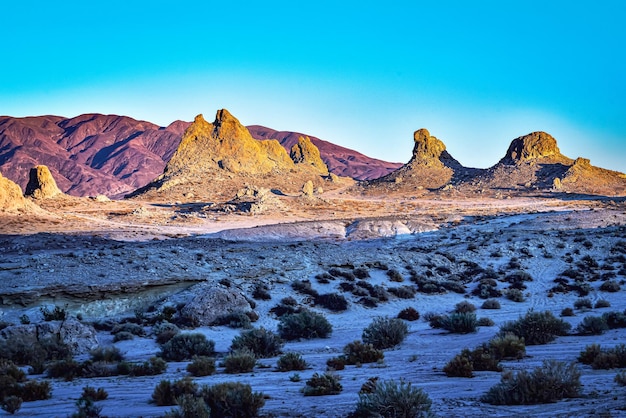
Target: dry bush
(322, 384)
(291, 361)
(395, 276)
(409, 314)
(165, 331)
(241, 360)
(152, 367)
(610, 286)
(490, 304)
(567, 312)
(201, 366)
(189, 406)
(110, 354)
(507, 346)
(607, 358)
(385, 332)
(357, 352)
(305, 324)
(583, 303)
(391, 399)
(232, 399)
(94, 394)
(402, 292)
(464, 306)
(185, 346)
(460, 366)
(592, 325)
(11, 404)
(459, 323)
(332, 301)
(536, 327)
(602, 303)
(166, 392)
(238, 319)
(336, 363)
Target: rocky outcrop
(11, 198)
(79, 337)
(306, 153)
(41, 184)
(535, 145)
(206, 303)
(582, 177)
(430, 151)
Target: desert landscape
(293, 267)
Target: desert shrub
(201, 366)
(483, 358)
(409, 314)
(394, 275)
(262, 342)
(583, 303)
(459, 323)
(232, 399)
(507, 346)
(592, 325)
(514, 295)
(322, 384)
(368, 301)
(589, 354)
(332, 301)
(361, 273)
(189, 406)
(433, 319)
(128, 327)
(238, 319)
(460, 366)
(305, 324)
(241, 360)
(615, 319)
(610, 286)
(385, 332)
(56, 314)
(336, 363)
(357, 352)
(24, 351)
(185, 346)
(287, 305)
(33, 390)
(291, 361)
(487, 288)
(620, 378)
(485, 322)
(517, 279)
(380, 293)
(86, 408)
(370, 385)
(123, 336)
(66, 369)
(94, 394)
(165, 331)
(166, 392)
(324, 278)
(602, 303)
(551, 382)
(304, 287)
(110, 354)
(152, 367)
(567, 312)
(11, 404)
(599, 358)
(536, 327)
(390, 399)
(261, 292)
(402, 292)
(464, 306)
(582, 288)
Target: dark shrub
(86, 408)
(361, 273)
(394, 275)
(403, 292)
(286, 306)
(127, 327)
(332, 301)
(615, 319)
(464, 307)
(11, 404)
(241, 360)
(336, 363)
(152, 367)
(322, 384)
(589, 354)
(485, 322)
(56, 314)
(515, 295)
(201, 366)
(536, 327)
(123, 336)
(459, 323)
(261, 292)
(110, 354)
(592, 325)
(620, 378)
(583, 303)
(185, 346)
(483, 358)
(33, 390)
(460, 366)
(262, 342)
(610, 286)
(166, 392)
(359, 353)
(487, 288)
(549, 383)
(66, 369)
(409, 314)
(602, 303)
(567, 312)
(390, 399)
(237, 319)
(304, 287)
(291, 361)
(189, 406)
(24, 351)
(232, 399)
(165, 331)
(608, 358)
(385, 332)
(305, 324)
(507, 346)
(94, 394)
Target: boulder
(207, 302)
(79, 337)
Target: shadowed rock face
(11, 198)
(532, 146)
(304, 152)
(41, 184)
(430, 151)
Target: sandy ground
(137, 253)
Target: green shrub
(390, 399)
(110, 354)
(464, 306)
(460, 366)
(332, 301)
(166, 392)
(583, 303)
(56, 314)
(201, 366)
(11, 404)
(490, 304)
(322, 384)
(409, 314)
(232, 399)
(189, 406)
(262, 342)
(94, 394)
(385, 332)
(359, 353)
(592, 325)
(549, 383)
(507, 346)
(291, 361)
(305, 324)
(241, 360)
(536, 327)
(238, 319)
(185, 346)
(459, 323)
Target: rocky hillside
(340, 161)
(90, 154)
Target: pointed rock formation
(11, 198)
(430, 151)
(305, 152)
(41, 184)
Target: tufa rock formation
(531, 147)
(305, 152)
(11, 198)
(41, 184)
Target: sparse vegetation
(262, 342)
(232, 399)
(409, 314)
(241, 360)
(201, 366)
(491, 304)
(385, 332)
(592, 325)
(305, 324)
(392, 399)
(166, 392)
(185, 346)
(536, 327)
(322, 384)
(291, 361)
(358, 352)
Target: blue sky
(361, 74)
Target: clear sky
(357, 73)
